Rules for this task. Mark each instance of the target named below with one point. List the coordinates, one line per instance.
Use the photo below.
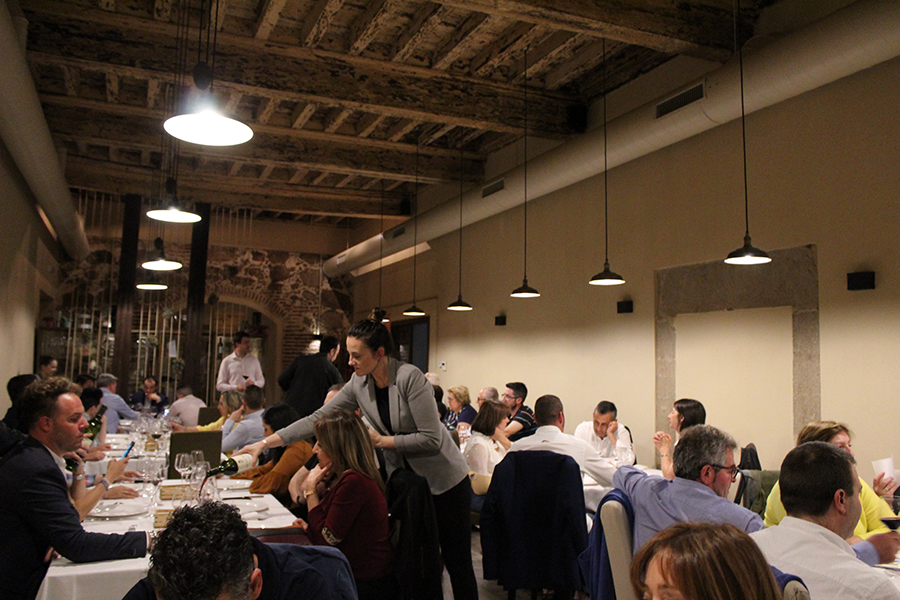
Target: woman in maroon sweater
(347, 507)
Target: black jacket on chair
(533, 524)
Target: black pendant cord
(605, 165)
(416, 224)
(737, 5)
(381, 247)
(212, 68)
(525, 168)
(460, 216)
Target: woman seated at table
(228, 403)
(701, 561)
(274, 476)
(347, 508)
(873, 507)
(461, 413)
(685, 413)
(486, 448)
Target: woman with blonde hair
(228, 403)
(461, 413)
(873, 507)
(347, 508)
(702, 561)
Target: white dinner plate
(118, 509)
(248, 506)
(233, 484)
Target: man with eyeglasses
(521, 418)
(704, 472)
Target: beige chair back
(794, 590)
(619, 544)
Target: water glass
(184, 462)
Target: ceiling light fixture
(161, 263)
(525, 290)
(460, 305)
(606, 276)
(172, 211)
(199, 121)
(415, 311)
(746, 254)
(152, 283)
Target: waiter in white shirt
(605, 435)
(240, 368)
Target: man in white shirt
(820, 492)
(240, 368)
(245, 425)
(548, 413)
(606, 436)
(187, 406)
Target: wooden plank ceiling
(340, 94)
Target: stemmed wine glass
(184, 462)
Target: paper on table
(884, 465)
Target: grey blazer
(419, 436)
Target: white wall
(26, 268)
(823, 169)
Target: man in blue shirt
(116, 408)
(704, 472)
(245, 426)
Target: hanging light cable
(201, 122)
(525, 290)
(460, 304)
(379, 315)
(746, 254)
(606, 276)
(415, 311)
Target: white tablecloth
(111, 580)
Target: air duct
(849, 40)
(26, 135)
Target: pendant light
(525, 290)
(161, 263)
(415, 311)
(379, 315)
(200, 122)
(606, 276)
(152, 283)
(746, 254)
(460, 305)
(172, 211)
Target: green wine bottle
(232, 466)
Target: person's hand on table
(178, 427)
(301, 524)
(128, 475)
(116, 469)
(885, 486)
(119, 492)
(887, 545)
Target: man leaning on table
(206, 553)
(820, 491)
(704, 472)
(605, 435)
(116, 408)
(36, 514)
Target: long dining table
(111, 579)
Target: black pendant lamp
(160, 262)
(460, 305)
(746, 254)
(525, 290)
(415, 311)
(606, 276)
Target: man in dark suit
(36, 514)
(307, 380)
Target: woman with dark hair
(686, 412)
(274, 476)
(347, 507)
(873, 507)
(701, 561)
(486, 448)
(399, 403)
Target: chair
(794, 590)
(532, 523)
(605, 565)
(207, 415)
(754, 488)
(619, 545)
(282, 535)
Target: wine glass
(198, 474)
(198, 455)
(184, 462)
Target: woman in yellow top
(873, 507)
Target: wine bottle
(96, 423)
(232, 466)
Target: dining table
(111, 579)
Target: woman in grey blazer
(398, 402)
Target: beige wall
(823, 170)
(26, 269)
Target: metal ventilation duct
(849, 40)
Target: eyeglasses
(509, 396)
(733, 469)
